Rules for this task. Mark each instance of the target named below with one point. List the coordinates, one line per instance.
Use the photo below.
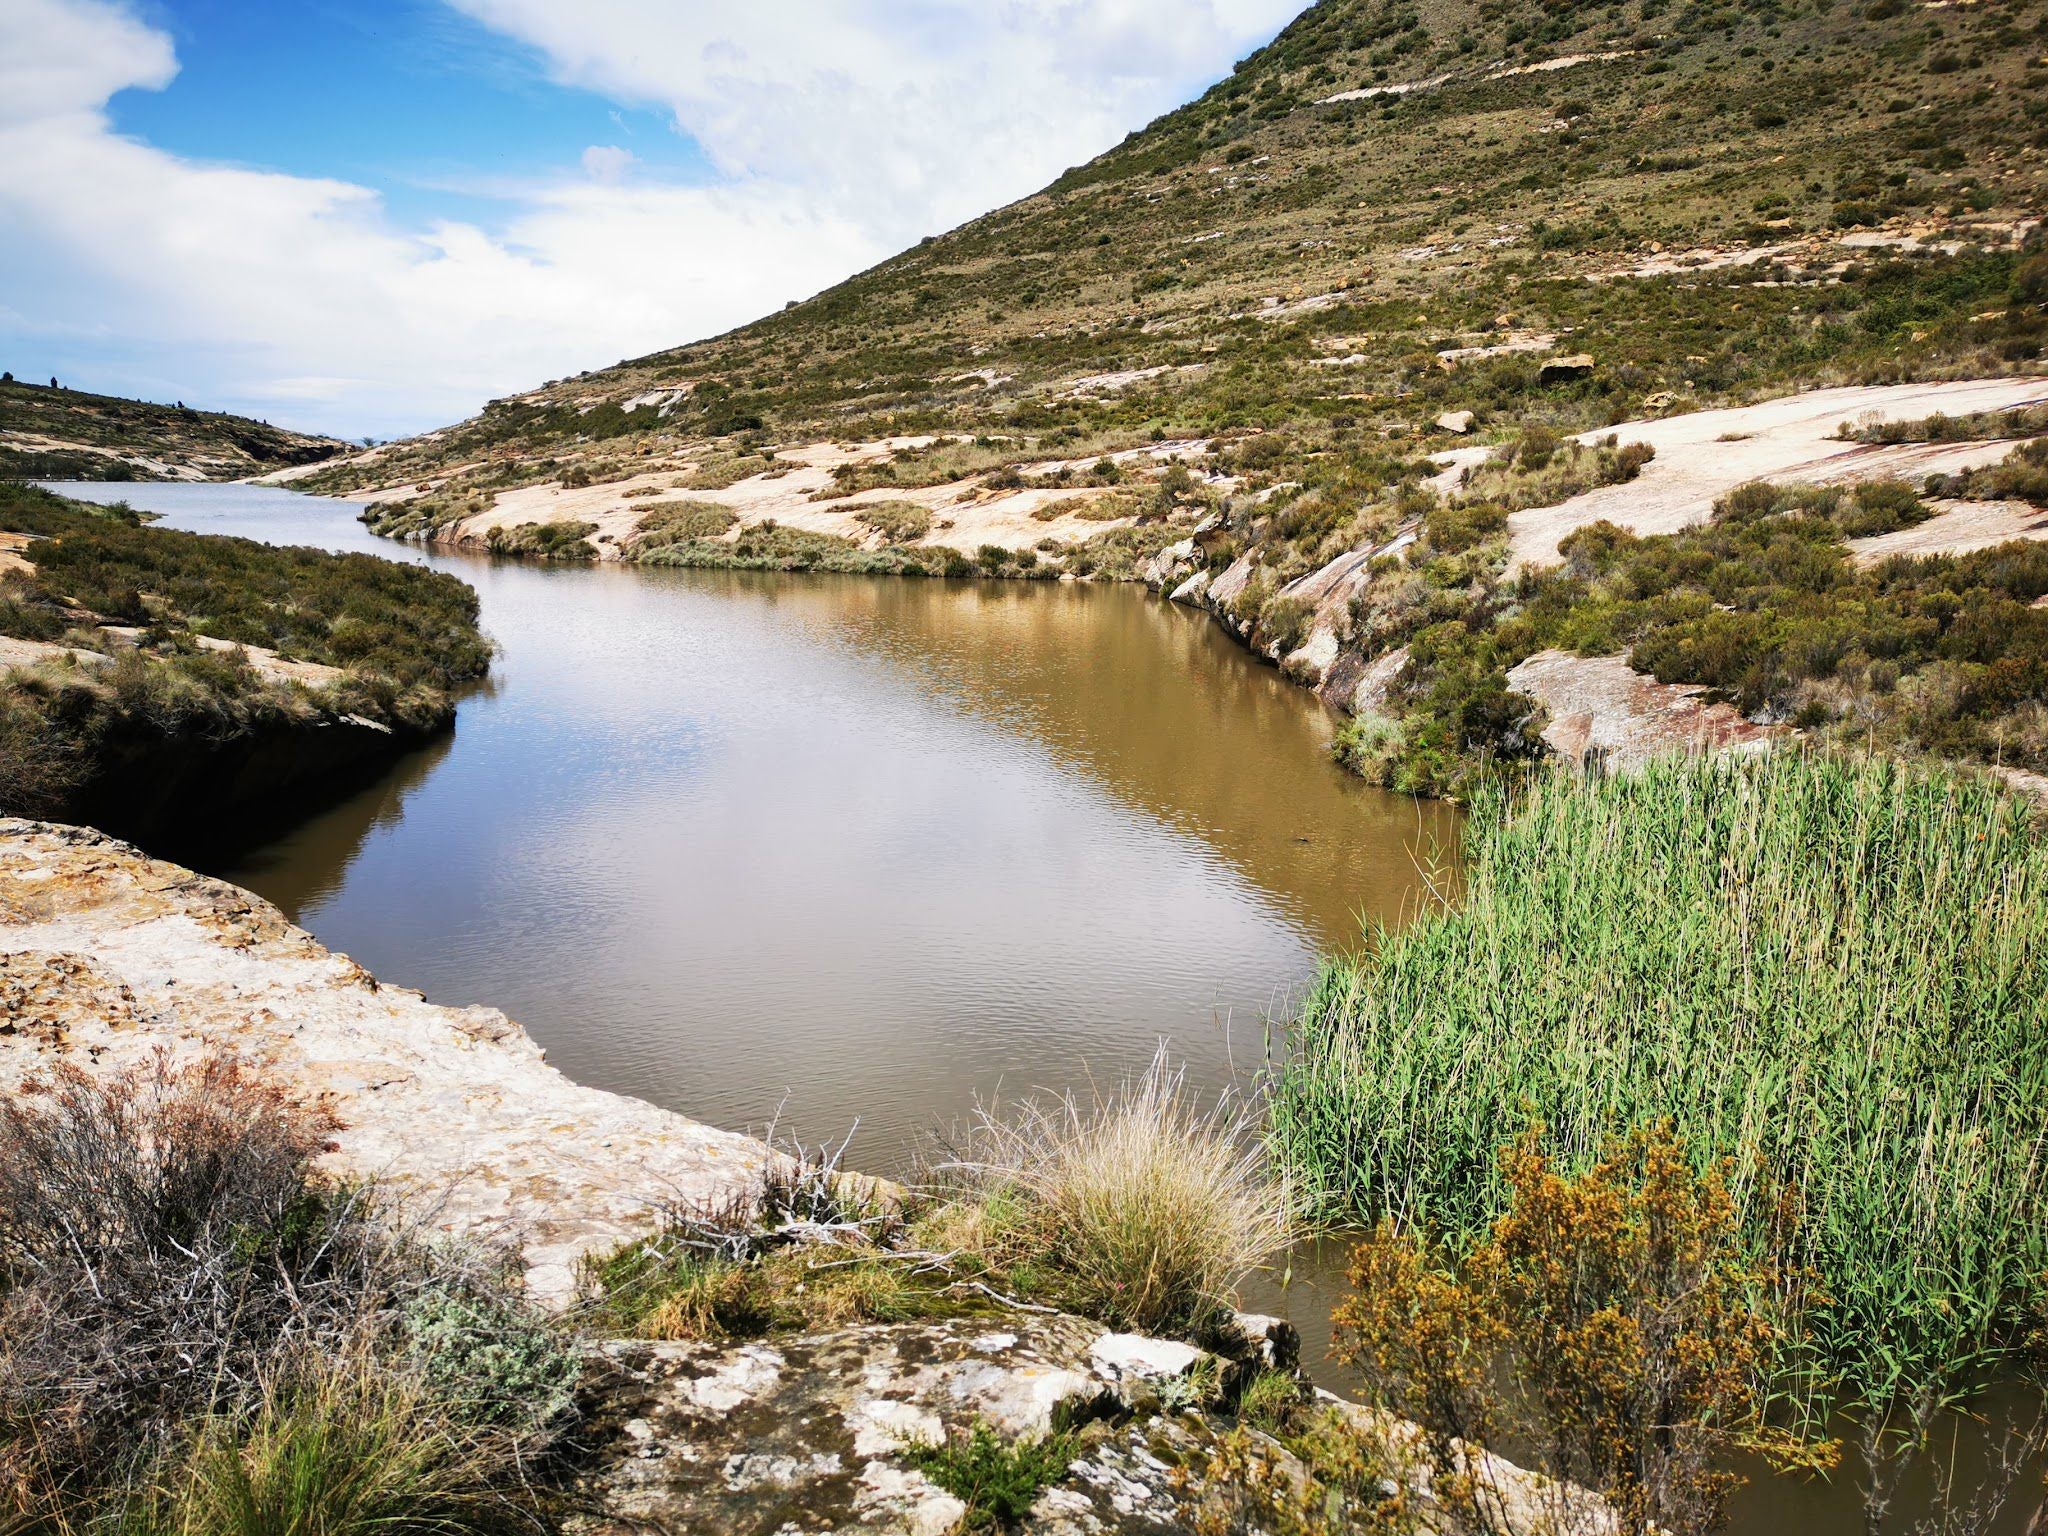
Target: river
(847, 855)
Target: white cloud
(844, 127)
(907, 115)
(606, 162)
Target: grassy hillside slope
(67, 434)
(1404, 227)
(1392, 227)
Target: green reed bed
(1834, 972)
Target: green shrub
(898, 522)
(564, 540)
(677, 522)
(998, 1479)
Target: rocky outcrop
(108, 956)
(817, 1433)
(1605, 714)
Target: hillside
(1242, 355)
(47, 433)
(153, 679)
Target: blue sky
(369, 218)
(408, 96)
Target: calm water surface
(843, 851)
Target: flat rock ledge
(808, 1435)
(107, 956)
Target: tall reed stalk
(1834, 972)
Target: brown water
(840, 851)
(835, 849)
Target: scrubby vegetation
(565, 540)
(1137, 1208)
(1826, 974)
(199, 1333)
(135, 606)
(2021, 476)
(679, 522)
(1611, 1319)
(771, 546)
(1765, 604)
(898, 522)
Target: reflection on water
(840, 849)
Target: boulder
(1170, 566)
(1560, 369)
(1459, 422)
(813, 1433)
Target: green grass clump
(346, 1448)
(1139, 1207)
(1834, 973)
(898, 522)
(677, 522)
(771, 546)
(997, 1479)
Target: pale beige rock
(1702, 455)
(107, 956)
(823, 1442)
(1605, 713)
(1957, 528)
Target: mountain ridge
(54, 433)
(1357, 308)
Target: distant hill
(1251, 354)
(48, 433)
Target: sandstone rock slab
(107, 956)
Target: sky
(367, 219)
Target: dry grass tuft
(1138, 1207)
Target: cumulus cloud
(842, 127)
(907, 115)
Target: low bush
(566, 540)
(199, 1332)
(898, 522)
(1611, 1320)
(2021, 476)
(770, 546)
(677, 522)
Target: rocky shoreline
(109, 958)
